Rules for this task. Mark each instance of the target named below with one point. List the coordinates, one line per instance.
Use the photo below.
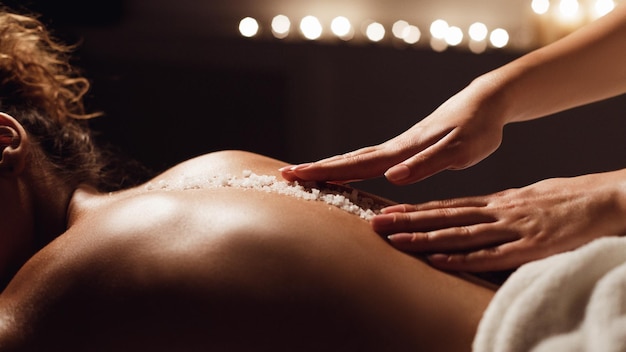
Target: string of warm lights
(553, 20)
(442, 35)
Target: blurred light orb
(477, 47)
(499, 38)
(375, 32)
(568, 8)
(248, 27)
(478, 31)
(411, 34)
(454, 36)
(540, 6)
(438, 45)
(398, 29)
(438, 29)
(311, 27)
(602, 7)
(281, 26)
(341, 27)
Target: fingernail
(400, 237)
(398, 173)
(300, 167)
(439, 258)
(285, 168)
(396, 208)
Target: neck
(33, 214)
(81, 197)
(50, 203)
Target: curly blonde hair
(38, 66)
(44, 92)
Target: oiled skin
(229, 269)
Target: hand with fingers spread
(504, 230)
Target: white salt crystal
(352, 202)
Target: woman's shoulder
(224, 162)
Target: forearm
(584, 67)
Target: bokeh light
(438, 45)
(375, 31)
(568, 8)
(478, 31)
(540, 6)
(438, 29)
(342, 28)
(248, 27)
(311, 27)
(454, 36)
(281, 26)
(411, 34)
(398, 28)
(477, 47)
(499, 38)
(602, 7)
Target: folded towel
(574, 301)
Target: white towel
(574, 301)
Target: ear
(12, 141)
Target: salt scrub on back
(348, 199)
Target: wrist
(621, 198)
(490, 94)
(609, 189)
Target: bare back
(231, 268)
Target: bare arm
(584, 67)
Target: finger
(288, 169)
(450, 240)
(286, 173)
(442, 155)
(368, 162)
(429, 220)
(498, 258)
(365, 163)
(398, 208)
(477, 201)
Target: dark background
(170, 93)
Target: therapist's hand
(458, 134)
(504, 230)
